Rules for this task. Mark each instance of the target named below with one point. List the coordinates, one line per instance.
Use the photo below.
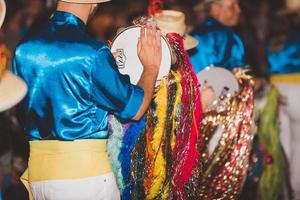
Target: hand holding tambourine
(149, 48)
(220, 80)
(208, 95)
(134, 53)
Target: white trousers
(101, 187)
(290, 132)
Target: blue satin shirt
(218, 45)
(73, 83)
(287, 59)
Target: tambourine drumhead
(128, 62)
(222, 80)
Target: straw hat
(2, 12)
(85, 1)
(291, 6)
(12, 88)
(171, 21)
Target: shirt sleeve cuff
(133, 105)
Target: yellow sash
(61, 160)
(286, 78)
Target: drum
(129, 63)
(220, 79)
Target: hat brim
(189, 42)
(12, 91)
(2, 12)
(85, 1)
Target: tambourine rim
(223, 69)
(136, 26)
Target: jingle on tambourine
(128, 61)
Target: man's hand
(207, 96)
(149, 52)
(116, 54)
(149, 48)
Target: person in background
(253, 29)
(283, 54)
(218, 44)
(31, 15)
(73, 84)
(199, 13)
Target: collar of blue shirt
(60, 18)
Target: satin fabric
(218, 45)
(73, 83)
(287, 59)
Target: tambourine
(223, 83)
(220, 79)
(128, 61)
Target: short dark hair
(208, 3)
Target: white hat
(12, 90)
(85, 1)
(171, 21)
(2, 12)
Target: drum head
(129, 62)
(222, 80)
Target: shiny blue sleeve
(113, 91)
(230, 52)
(204, 53)
(237, 53)
(220, 48)
(287, 59)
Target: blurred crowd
(259, 20)
(262, 22)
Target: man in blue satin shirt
(218, 44)
(283, 55)
(74, 83)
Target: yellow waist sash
(60, 160)
(286, 78)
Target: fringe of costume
(221, 175)
(165, 156)
(155, 6)
(271, 181)
(114, 144)
(157, 155)
(186, 152)
(266, 178)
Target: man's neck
(82, 11)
